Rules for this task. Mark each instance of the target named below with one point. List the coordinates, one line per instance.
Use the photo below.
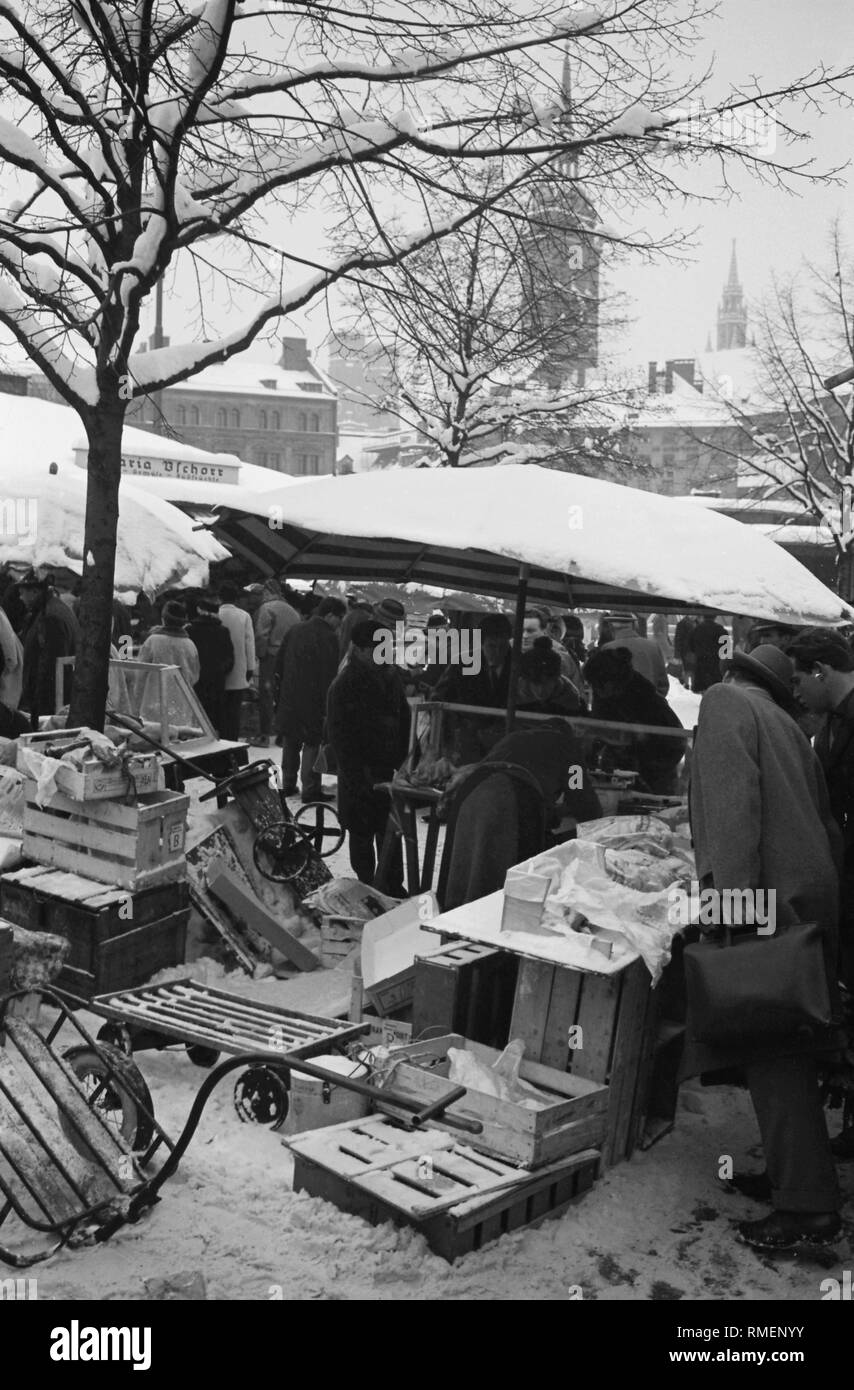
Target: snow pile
(42, 514)
(580, 527)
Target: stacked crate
(108, 870)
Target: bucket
(314, 1104)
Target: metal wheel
(117, 1035)
(319, 822)
(261, 1096)
(102, 1074)
(201, 1056)
(280, 852)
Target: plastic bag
(501, 1080)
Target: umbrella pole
(516, 652)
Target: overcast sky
(772, 40)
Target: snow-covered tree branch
(139, 135)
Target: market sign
(144, 466)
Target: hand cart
(77, 1128)
(284, 838)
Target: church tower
(732, 312)
(561, 274)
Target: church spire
(732, 313)
(570, 160)
(733, 283)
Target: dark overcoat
(760, 819)
(307, 663)
(367, 724)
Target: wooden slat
(65, 1180)
(597, 1016)
(562, 1012)
(531, 1005)
(251, 911)
(626, 1060)
(238, 1007)
(64, 1088)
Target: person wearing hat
(646, 654)
(542, 688)
(367, 724)
(216, 656)
(760, 820)
(707, 644)
(50, 631)
(621, 695)
(535, 624)
(358, 609)
(170, 644)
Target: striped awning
(588, 543)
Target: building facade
(282, 416)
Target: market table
(566, 984)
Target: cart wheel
(117, 1035)
(280, 852)
(202, 1056)
(112, 1082)
(319, 822)
(261, 1096)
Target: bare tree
(797, 436)
(481, 345)
(138, 134)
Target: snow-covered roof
(241, 377)
(584, 540)
(42, 513)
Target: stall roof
(589, 543)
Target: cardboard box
(389, 946)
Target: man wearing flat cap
(761, 821)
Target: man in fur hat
(761, 821)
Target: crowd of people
(772, 772)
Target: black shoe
(754, 1185)
(317, 796)
(842, 1147)
(789, 1230)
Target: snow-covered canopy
(41, 514)
(588, 543)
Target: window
(302, 463)
(262, 459)
(262, 419)
(222, 419)
(277, 420)
(302, 422)
(315, 424)
(276, 460)
(194, 414)
(235, 419)
(313, 463)
(181, 415)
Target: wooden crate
(614, 1013)
(141, 773)
(458, 1199)
(129, 846)
(117, 940)
(575, 1120)
(467, 989)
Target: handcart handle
(437, 1109)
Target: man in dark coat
(216, 657)
(308, 661)
(824, 685)
(622, 695)
(485, 684)
(707, 645)
(761, 821)
(367, 720)
(50, 631)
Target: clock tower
(561, 274)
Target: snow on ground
(657, 1227)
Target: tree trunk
(95, 611)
